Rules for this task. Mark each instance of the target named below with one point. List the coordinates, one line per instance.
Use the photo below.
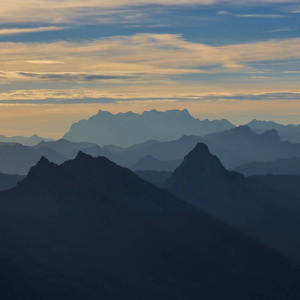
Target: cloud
(73, 76)
(44, 62)
(263, 16)
(139, 57)
(68, 11)
(80, 96)
(13, 31)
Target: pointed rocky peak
(200, 149)
(42, 169)
(81, 156)
(43, 161)
(201, 159)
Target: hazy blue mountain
(233, 147)
(286, 132)
(241, 145)
(126, 129)
(172, 150)
(267, 214)
(287, 166)
(150, 163)
(155, 177)
(26, 141)
(64, 147)
(268, 125)
(8, 181)
(89, 229)
(18, 159)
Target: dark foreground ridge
(89, 229)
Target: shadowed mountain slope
(264, 213)
(89, 229)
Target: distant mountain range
(26, 141)
(287, 166)
(126, 129)
(90, 229)
(289, 133)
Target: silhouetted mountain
(266, 214)
(287, 166)
(125, 129)
(8, 181)
(289, 133)
(18, 159)
(26, 141)
(150, 163)
(89, 229)
(155, 177)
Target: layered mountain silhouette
(8, 181)
(288, 166)
(126, 129)
(18, 159)
(64, 147)
(89, 229)
(26, 141)
(267, 214)
(233, 147)
(150, 163)
(289, 133)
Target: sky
(63, 60)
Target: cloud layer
(139, 57)
(56, 11)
